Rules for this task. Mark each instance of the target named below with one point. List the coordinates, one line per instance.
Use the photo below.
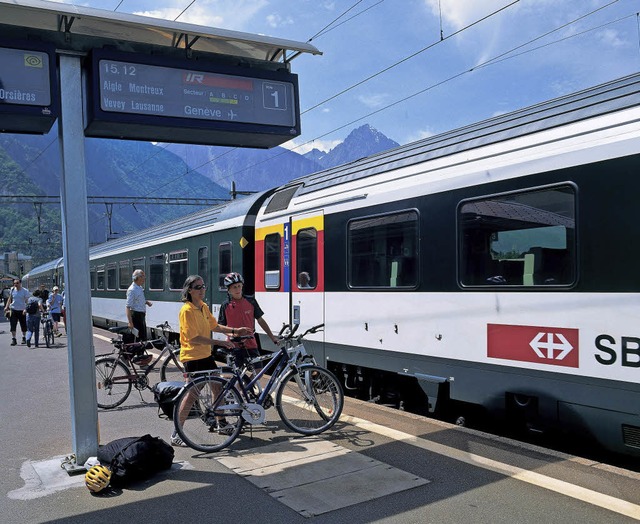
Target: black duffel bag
(132, 459)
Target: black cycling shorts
(202, 364)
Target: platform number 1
(274, 95)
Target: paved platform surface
(377, 465)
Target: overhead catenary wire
(184, 10)
(329, 27)
(495, 59)
(492, 61)
(347, 89)
(409, 57)
(325, 28)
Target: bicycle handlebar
(290, 335)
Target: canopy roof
(81, 28)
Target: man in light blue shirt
(16, 305)
(136, 304)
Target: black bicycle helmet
(233, 278)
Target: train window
(307, 258)
(383, 251)
(138, 263)
(124, 274)
(526, 238)
(156, 272)
(224, 263)
(111, 276)
(272, 261)
(100, 273)
(203, 262)
(178, 269)
(92, 277)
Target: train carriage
(492, 266)
(211, 243)
(489, 269)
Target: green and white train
(492, 268)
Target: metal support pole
(75, 243)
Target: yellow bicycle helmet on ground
(97, 478)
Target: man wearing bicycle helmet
(241, 310)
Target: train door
(306, 262)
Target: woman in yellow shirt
(196, 325)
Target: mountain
(30, 165)
(250, 169)
(114, 168)
(259, 169)
(361, 142)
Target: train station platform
(376, 465)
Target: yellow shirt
(194, 322)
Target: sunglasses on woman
(198, 288)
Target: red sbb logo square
(543, 345)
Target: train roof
(596, 101)
(187, 225)
(53, 264)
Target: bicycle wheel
(48, 334)
(112, 381)
(172, 369)
(204, 428)
(309, 400)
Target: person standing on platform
(64, 308)
(34, 311)
(240, 310)
(54, 304)
(136, 306)
(16, 306)
(5, 295)
(196, 325)
(44, 293)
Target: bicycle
(214, 408)
(117, 375)
(47, 329)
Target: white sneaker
(177, 441)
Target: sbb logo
(543, 345)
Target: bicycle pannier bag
(132, 459)
(165, 394)
(32, 307)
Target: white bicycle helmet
(233, 278)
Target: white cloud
(460, 13)
(275, 20)
(611, 38)
(211, 13)
(374, 100)
(301, 149)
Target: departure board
(127, 87)
(28, 91)
(215, 99)
(24, 77)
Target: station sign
(142, 97)
(28, 87)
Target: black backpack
(165, 394)
(32, 307)
(132, 459)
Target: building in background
(15, 264)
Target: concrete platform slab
(315, 476)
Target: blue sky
(472, 59)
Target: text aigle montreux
(141, 89)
